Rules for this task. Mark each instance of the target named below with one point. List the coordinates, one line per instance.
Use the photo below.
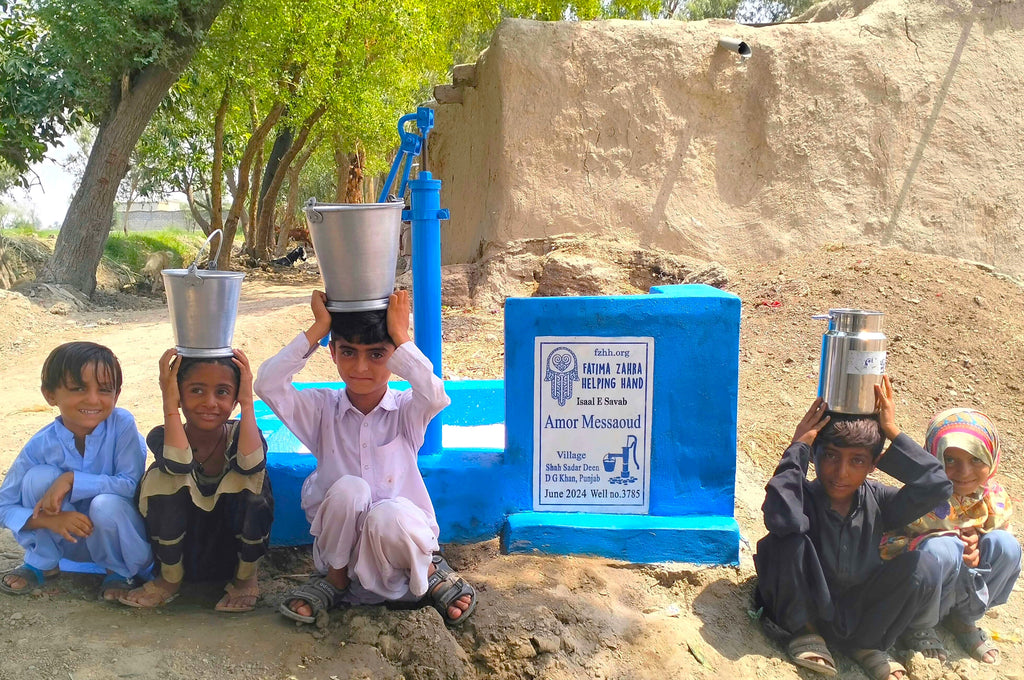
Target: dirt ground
(956, 335)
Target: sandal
(159, 596)
(35, 578)
(319, 593)
(117, 582)
(924, 640)
(975, 642)
(878, 664)
(247, 596)
(810, 651)
(444, 587)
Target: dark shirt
(847, 547)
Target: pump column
(426, 214)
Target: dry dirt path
(539, 617)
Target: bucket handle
(821, 317)
(191, 277)
(312, 214)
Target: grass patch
(133, 250)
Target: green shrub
(133, 250)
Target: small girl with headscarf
(969, 533)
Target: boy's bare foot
(152, 594)
(239, 596)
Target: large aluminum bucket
(203, 306)
(356, 248)
(853, 355)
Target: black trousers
(794, 593)
(210, 544)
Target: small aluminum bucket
(356, 248)
(203, 305)
(853, 356)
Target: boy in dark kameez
(820, 574)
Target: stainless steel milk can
(853, 353)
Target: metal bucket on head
(203, 304)
(356, 248)
(853, 355)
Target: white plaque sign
(592, 424)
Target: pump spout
(736, 45)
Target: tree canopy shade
(289, 73)
(121, 56)
(36, 94)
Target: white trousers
(386, 545)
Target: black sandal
(445, 587)
(319, 593)
(924, 640)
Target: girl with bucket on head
(969, 533)
(206, 499)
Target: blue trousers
(118, 540)
(967, 593)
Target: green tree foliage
(747, 11)
(120, 57)
(36, 94)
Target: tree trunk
(132, 185)
(354, 185)
(217, 174)
(282, 142)
(340, 170)
(134, 100)
(265, 227)
(245, 165)
(193, 207)
(254, 204)
(292, 205)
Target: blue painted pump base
(633, 538)
(485, 489)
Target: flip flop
(810, 651)
(444, 587)
(878, 664)
(35, 578)
(231, 591)
(150, 588)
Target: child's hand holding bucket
(398, 317)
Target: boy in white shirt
(373, 525)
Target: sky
(52, 188)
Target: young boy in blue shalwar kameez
(70, 492)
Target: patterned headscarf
(986, 509)
(967, 429)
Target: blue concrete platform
(484, 486)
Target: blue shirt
(113, 462)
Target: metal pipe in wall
(736, 45)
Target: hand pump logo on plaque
(592, 424)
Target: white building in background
(153, 216)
